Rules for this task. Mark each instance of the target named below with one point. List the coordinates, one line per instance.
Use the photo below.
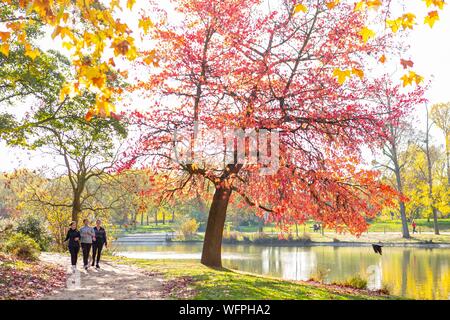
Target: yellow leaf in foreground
(358, 72)
(130, 4)
(360, 6)
(374, 4)
(4, 48)
(431, 18)
(341, 75)
(30, 52)
(366, 34)
(394, 24)
(300, 7)
(332, 4)
(437, 3)
(65, 91)
(4, 36)
(411, 77)
(145, 24)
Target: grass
(222, 284)
(377, 226)
(386, 231)
(422, 224)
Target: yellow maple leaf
(360, 6)
(431, 18)
(30, 52)
(411, 77)
(130, 4)
(300, 7)
(437, 3)
(373, 4)
(331, 4)
(65, 91)
(407, 20)
(62, 31)
(150, 58)
(394, 24)
(366, 34)
(358, 72)
(4, 49)
(67, 45)
(145, 24)
(341, 75)
(4, 36)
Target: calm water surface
(410, 272)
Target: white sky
(429, 49)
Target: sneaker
(97, 266)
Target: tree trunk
(212, 246)
(76, 207)
(142, 218)
(164, 216)
(405, 230)
(447, 152)
(430, 177)
(156, 216)
(173, 216)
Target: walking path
(112, 282)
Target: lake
(410, 272)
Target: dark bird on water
(377, 248)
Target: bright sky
(429, 49)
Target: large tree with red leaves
(302, 72)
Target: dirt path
(112, 282)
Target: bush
(22, 246)
(34, 227)
(232, 237)
(320, 275)
(356, 282)
(188, 228)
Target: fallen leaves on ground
(21, 280)
(179, 287)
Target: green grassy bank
(190, 279)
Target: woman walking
(87, 236)
(97, 245)
(73, 235)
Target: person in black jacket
(97, 245)
(73, 235)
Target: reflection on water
(411, 272)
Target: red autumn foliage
(238, 64)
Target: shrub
(385, 289)
(356, 282)
(22, 246)
(260, 238)
(305, 237)
(188, 228)
(320, 275)
(34, 227)
(232, 237)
